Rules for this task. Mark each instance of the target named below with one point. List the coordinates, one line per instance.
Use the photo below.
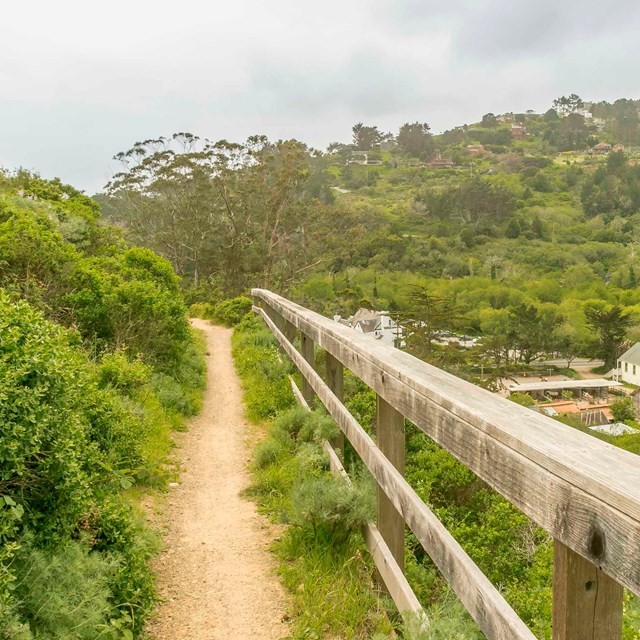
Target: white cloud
(81, 81)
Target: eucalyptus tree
(241, 214)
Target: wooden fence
(584, 492)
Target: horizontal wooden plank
(481, 599)
(583, 491)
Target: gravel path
(216, 575)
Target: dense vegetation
(97, 366)
(513, 229)
(520, 229)
(517, 229)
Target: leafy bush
(118, 372)
(71, 440)
(201, 310)
(230, 312)
(622, 409)
(331, 507)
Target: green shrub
(201, 310)
(331, 507)
(67, 447)
(230, 312)
(622, 409)
(118, 372)
(63, 593)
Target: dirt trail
(216, 576)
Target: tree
(366, 138)
(568, 104)
(415, 139)
(625, 113)
(571, 133)
(429, 315)
(475, 202)
(489, 121)
(622, 409)
(610, 324)
(532, 330)
(242, 214)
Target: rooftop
(551, 385)
(632, 355)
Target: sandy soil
(216, 576)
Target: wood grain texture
(481, 599)
(391, 441)
(584, 492)
(308, 353)
(587, 604)
(335, 381)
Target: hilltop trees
(489, 121)
(366, 138)
(415, 139)
(241, 214)
(568, 104)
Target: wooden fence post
(587, 603)
(391, 441)
(335, 381)
(308, 353)
(290, 331)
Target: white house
(629, 365)
(376, 324)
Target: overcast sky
(81, 80)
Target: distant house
(617, 147)
(629, 365)
(437, 162)
(600, 149)
(476, 150)
(376, 324)
(518, 132)
(506, 117)
(358, 157)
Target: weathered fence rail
(584, 492)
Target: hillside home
(518, 132)
(437, 162)
(358, 157)
(376, 324)
(600, 149)
(617, 147)
(476, 150)
(629, 365)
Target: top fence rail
(584, 492)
